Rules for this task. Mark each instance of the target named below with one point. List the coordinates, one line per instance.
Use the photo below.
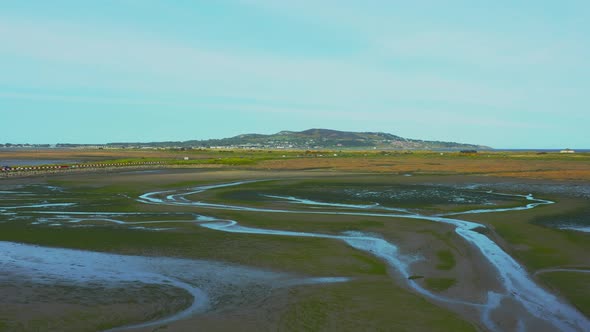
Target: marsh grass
(446, 260)
(433, 199)
(53, 307)
(371, 302)
(439, 284)
(577, 217)
(574, 286)
(344, 307)
(294, 254)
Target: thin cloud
(240, 72)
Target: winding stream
(48, 265)
(534, 303)
(537, 302)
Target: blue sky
(501, 73)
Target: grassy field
(531, 165)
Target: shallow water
(204, 280)
(585, 229)
(538, 303)
(51, 265)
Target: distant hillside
(315, 139)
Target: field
(296, 241)
(529, 165)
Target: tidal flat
(291, 250)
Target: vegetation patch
(93, 307)
(573, 285)
(346, 307)
(446, 260)
(439, 284)
(482, 230)
(425, 197)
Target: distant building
(185, 158)
(567, 151)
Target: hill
(315, 139)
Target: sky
(508, 74)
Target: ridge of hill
(316, 138)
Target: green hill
(316, 139)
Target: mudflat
(348, 247)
